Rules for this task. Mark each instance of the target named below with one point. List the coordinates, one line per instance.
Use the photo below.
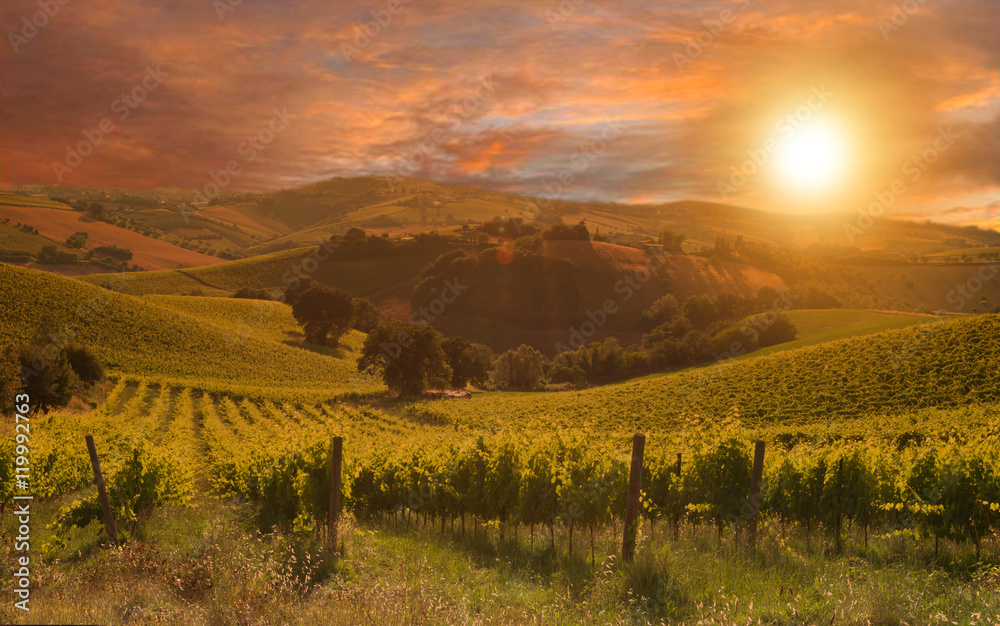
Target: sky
(639, 102)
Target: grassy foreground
(200, 565)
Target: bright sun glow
(813, 159)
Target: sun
(812, 159)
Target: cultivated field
(148, 253)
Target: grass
(201, 565)
(822, 325)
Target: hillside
(277, 270)
(204, 343)
(945, 364)
(148, 253)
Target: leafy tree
(409, 358)
(662, 310)
(354, 234)
(672, 242)
(325, 314)
(77, 240)
(87, 367)
(366, 315)
(95, 210)
(578, 232)
(521, 369)
(47, 378)
(54, 256)
(701, 310)
(470, 362)
(10, 377)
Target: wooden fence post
(840, 487)
(758, 475)
(336, 463)
(677, 516)
(632, 499)
(102, 493)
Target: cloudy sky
(627, 101)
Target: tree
(565, 231)
(366, 315)
(47, 378)
(53, 255)
(662, 310)
(700, 310)
(77, 240)
(408, 357)
(354, 234)
(521, 369)
(10, 377)
(87, 367)
(672, 242)
(470, 362)
(325, 314)
(95, 210)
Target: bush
(50, 255)
(114, 252)
(85, 364)
(252, 294)
(48, 379)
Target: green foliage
(47, 377)
(556, 232)
(325, 314)
(114, 252)
(144, 481)
(470, 362)
(520, 370)
(408, 357)
(51, 255)
(87, 367)
(10, 377)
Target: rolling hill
(148, 253)
(945, 364)
(200, 343)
